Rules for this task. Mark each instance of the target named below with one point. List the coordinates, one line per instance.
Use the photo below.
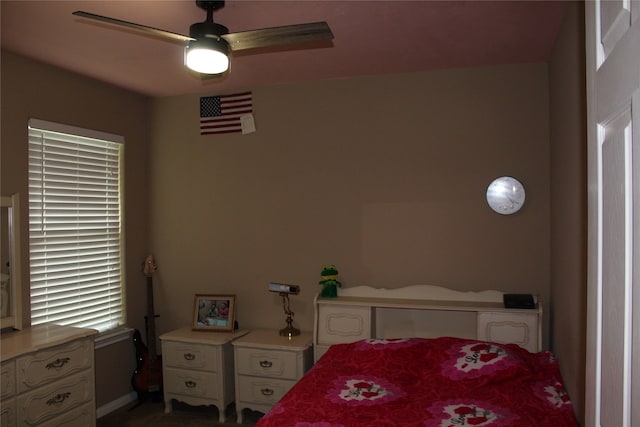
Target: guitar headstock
(149, 266)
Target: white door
(613, 120)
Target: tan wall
(383, 176)
(29, 90)
(569, 199)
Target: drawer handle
(190, 384)
(266, 391)
(58, 398)
(265, 364)
(58, 363)
(189, 356)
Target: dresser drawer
(8, 413)
(49, 365)
(83, 416)
(57, 398)
(190, 356)
(267, 363)
(263, 391)
(192, 383)
(7, 379)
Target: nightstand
(197, 368)
(267, 366)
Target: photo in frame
(214, 312)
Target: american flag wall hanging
(226, 114)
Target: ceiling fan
(209, 43)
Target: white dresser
(197, 368)
(267, 366)
(47, 377)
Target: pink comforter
(443, 382)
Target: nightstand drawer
(190, 356)
(267, 366)
(192, 383)
(198, 368)
(264, 391)
(49, 365)
(267, 363)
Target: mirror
(10, 274)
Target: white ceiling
(371, 37)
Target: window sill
(111, 337)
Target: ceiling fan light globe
(205, 60)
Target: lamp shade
(207, 56)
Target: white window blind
(75, 228)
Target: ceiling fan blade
(288, 34)
(145, 28)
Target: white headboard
(422, 311)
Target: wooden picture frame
(213, 312)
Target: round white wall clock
(505, 195)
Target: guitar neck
(151, 320)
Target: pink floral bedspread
(442, 382)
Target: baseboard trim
(114, 405)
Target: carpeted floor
(150, 413)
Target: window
(75, 228)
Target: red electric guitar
(147, 378)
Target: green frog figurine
(329, 281)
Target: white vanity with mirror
(46, 371)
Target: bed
(365, 375)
